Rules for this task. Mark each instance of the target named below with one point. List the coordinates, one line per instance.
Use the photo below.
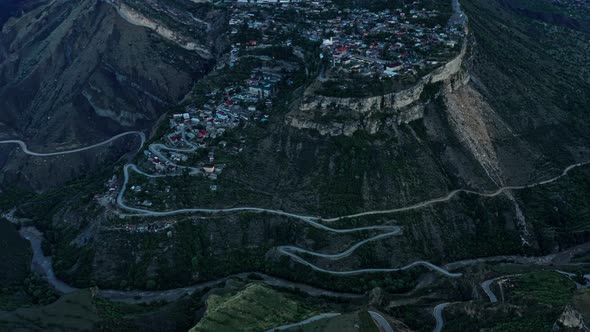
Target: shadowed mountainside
(78, 72)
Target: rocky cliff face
(344, 116)
(136, 17)
(570, 320)
(77, 72)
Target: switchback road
(312, 220)
(381, 321)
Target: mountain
(494, 116)
(462, 188)
(76, 73)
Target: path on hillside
(26, 150)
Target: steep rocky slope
(77, 72)
(510, 109)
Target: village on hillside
(381, 43)
(273, 47)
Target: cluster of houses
(222, 109)
(271, 25)
(383, 43)
(386, 43)
(203, 126)
(228, 108)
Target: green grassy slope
(256, 308)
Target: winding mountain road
(315, 221)
(390, 231)
(43, 266)
(149, 213)
(381, 321)
(487, 284)
(305, 322)
(26, 150)
(157, 149)
(311, 220)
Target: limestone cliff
(344, 116)
(135, 17)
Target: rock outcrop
(570, 320)
(344, 116)
(135, 17)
